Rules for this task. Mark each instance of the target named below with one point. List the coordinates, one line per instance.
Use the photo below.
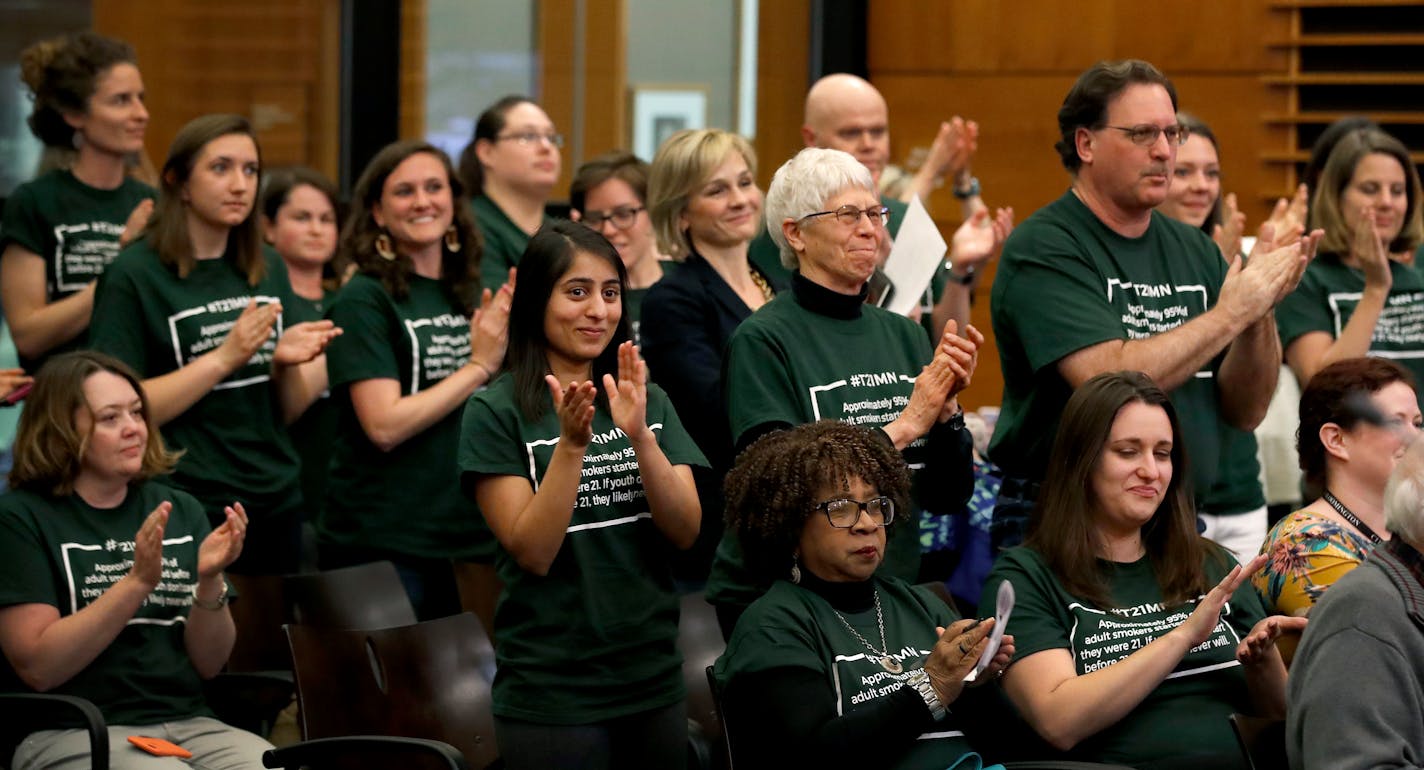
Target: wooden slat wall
(1009, 64)
(271, 60)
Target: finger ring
(964, 649)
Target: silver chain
(884, 650)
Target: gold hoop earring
(384, 248)
(452, 240)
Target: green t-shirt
(1187, 713)
(791, 627)
(789, 365)
(418, 341)
(633, 299)
(65, 553)
(314, 432)
(1328, 294)
(595, 638)
(236, 443)
(1066, 282)
(75, 228)
(504, 242)
(1238, 483)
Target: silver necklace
(882, 655)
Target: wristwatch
(970, 191)
(215, 604)
(919, 680)
(962, 280)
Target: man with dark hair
(1097, 281)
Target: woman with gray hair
(819, 352)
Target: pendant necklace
(882, 655)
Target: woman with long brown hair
(420, 338)
(1136, 637)
(196, 307)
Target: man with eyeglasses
(1097, 281)
(847, 113)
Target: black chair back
(418, 681)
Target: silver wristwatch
(215, 604)
(919, 680)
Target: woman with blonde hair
(706, 209)
(1361, 295)
(62, 229)
(111, 583)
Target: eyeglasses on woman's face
(843, 513)
(533, 137)
(848, 215)
(622, 217)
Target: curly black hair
(778, 480)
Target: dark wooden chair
(700, 640)
(418, 681)
(1263, 741)
(257, 683)
(363, 596)
(389, 751)
(27, 712)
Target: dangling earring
(76, 139)
(795, 571)
(452, 240)
(384, 248)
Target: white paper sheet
(917, 253)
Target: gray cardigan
(1356, 691)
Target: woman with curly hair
(420, 338)
(63, 229)
(835, 665)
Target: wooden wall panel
(599, 71)
(271, 60)
(413, 21)
(783, 50)
(1048, 35)
(1008, 65)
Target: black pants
(654, 739)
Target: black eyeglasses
(849, 215)
(1146, 134)
(622, 217)
(843, 513)
(533, 137)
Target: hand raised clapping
(628, 396)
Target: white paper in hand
(1004, 605)
(917, 253)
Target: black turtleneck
(818, 299)
(854, 596)
(786, 717)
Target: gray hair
(803, 185)
(1404, 497)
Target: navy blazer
(687, 319)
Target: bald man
(845, 112)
